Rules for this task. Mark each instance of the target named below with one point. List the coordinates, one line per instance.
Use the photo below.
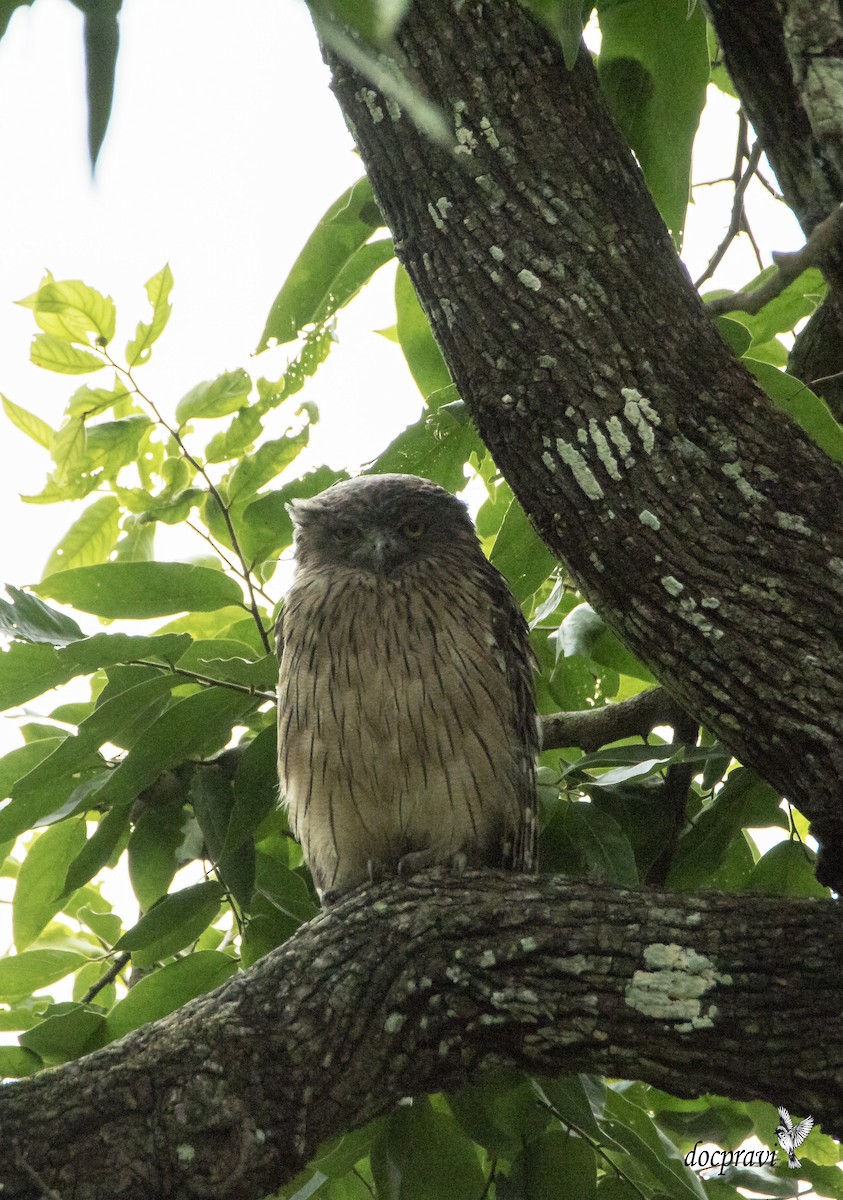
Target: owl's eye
(343, 534)
(412, 529)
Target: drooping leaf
(346, 226)
(102, 40)
(787, 869)
(39, 886)
(809, 410)
(141, 589)
(173, 923)
(420, 348)
(424, 1155)
(654, 70)
(158, 290)
(36, 429)
(53, 354)
(519, 553)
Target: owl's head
(379, 523)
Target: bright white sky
(225, 147)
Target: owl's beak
(382, 551)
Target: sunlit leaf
(158, 290)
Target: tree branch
(596, 727)
(422, 986)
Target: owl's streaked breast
(398, 725)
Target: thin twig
(109, 977)
(737, 222)
(195, 677)
(824, 241)
(245, 572)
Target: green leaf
(421, 350)
(266, 526)
(501, 1114)
(19, 762)
(102, 38)
(437, 447)
(98, 849)
(29, 619)
(36, 429)
(212, 795)
(242, 433)
(158, 290)
(39, 887)
(172, 924)
(346, 226)
(565, 19)
(69, 310)
(23, 974)
(269, 460)
(215, 398)
(255, 782)
(164, 991)
(90, 539)
(63, 1036)
(781, 314)
(357, 272)
(89, 402)
(15, 1062)
(802, 405)
(141, 589)
(422, 1154)
(520, 555)
(555, 1166)
(230, 661)
(787, 869)
(642, 1138)
(584, 632)
(744, 801)
(604, 846)
(53, 354)
(153, 851)
(191, 728)
(654, 70)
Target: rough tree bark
(702, 524)
(421, 986)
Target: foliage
(162, 765)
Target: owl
(407, 729)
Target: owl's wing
(785, 1116)
(513, 637)
(801, 1131)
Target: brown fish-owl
(406, 710)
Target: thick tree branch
(422, 986)
(705, 527)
